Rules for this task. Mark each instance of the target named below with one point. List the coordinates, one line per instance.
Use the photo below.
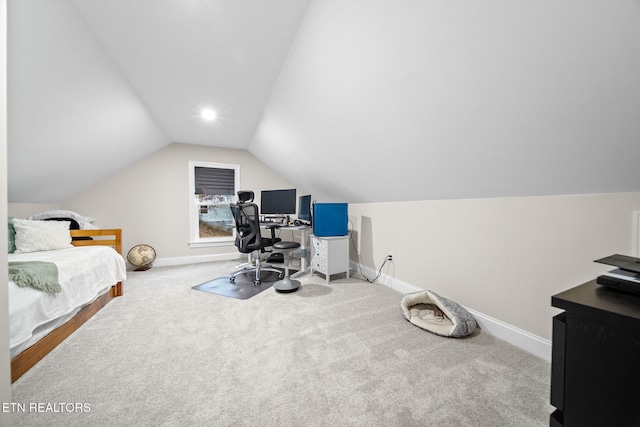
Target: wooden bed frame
(32, 355)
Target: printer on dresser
(330, 239)
(595, 362)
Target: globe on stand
(141, 256)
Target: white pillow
(32, 236)
(83, 221)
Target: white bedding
(84, 273)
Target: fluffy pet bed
(441, 316)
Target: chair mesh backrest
(247, 219)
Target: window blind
(214, 180)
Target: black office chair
(249, 240)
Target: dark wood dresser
(595, 362)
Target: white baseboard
(513, 335)
(509, 333)
(165, 262)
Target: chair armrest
(273, 231)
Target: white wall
(502, 257)
(24, 210)
(5, 367)
(150, 199)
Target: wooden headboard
(114, 233)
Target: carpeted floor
(328, 355)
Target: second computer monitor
(278, 202)
(304, 208)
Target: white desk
(304, 247)
(304, 244)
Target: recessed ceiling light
(208, 115)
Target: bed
(90, 274)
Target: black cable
(379, 270)
(355, 250)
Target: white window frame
(195, 241)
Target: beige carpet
(328, 355)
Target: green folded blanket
(37, 274)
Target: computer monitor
(304, 208)
(278, 202)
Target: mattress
(84, 273)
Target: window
(213, 187)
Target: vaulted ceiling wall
(409, 100)
(73, 116)
(184, 55)
(96, 85)
(352, 100)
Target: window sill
(208, 244)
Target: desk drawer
(320, 253)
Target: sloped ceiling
(421, 100)
(350, 100)
(184, 55)
(117, 80)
